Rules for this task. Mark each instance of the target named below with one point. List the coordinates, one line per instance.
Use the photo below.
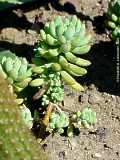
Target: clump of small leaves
(51, 81)
(58, 121)
(86, 118)
(62, 40)
(15, 70)
(113, 13)
(55, 91)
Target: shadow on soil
(99, 24)
(18, 20)
(14, 16)
(102, 72)
(23, 50)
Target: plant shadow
(15, 17)
(21, 50)
(103, 71)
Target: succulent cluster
(51, 81)
(62, 40)
(58, 121)
(55, 91)
(85, 118)
(113, 13)
(15, 138)
(16, 70)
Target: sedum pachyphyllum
(49, 80)
(113, 13)
(15, 69)
(62, 41)
(85, 118)
(58, 121)
(55, 91)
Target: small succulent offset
(50, 80)
(58, 121)
(62, 40)
(113, 13)
(15, 69)
(85, 118)
(55, 91)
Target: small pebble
(31, 31)
(96, 155)
(101, 131)
(95, 98)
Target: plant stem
(47, 114)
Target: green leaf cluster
(58, 121)
(15, 69)
(55, 91)
(50, 80)
(113, 13)
(87, 117)
(19, 74)
(62, 40)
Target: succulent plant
(62, 40)
(85, 118)
(16, 141)
(16, 70)
(51, 81)
(55, 91)
(58, 121)
(113, 13)
(26, 115)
